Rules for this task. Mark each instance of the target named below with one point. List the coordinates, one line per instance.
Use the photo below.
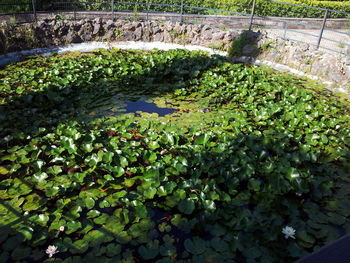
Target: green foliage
(237, 45)
(268, 152)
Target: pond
(144, 106)
(168, 156)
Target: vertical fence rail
(113, 12)
(75, 12)
(182, 11)
(252, 15)
(34, 10)
(148, 6)
(284, 30)
(322, 29)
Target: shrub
(237, 46)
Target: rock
(132, 26)
(196, 40)
(207, 34)
(97, 20)
(196, 29)
(108, 36)
(156, 29)
(128, 36)
(97, 28)
(138, 33)
(158, 37)
(169, 26)
(108, 25)
(86, 32)
(167, 37)
(219, 35)
(129, 27)
(73, 37)
(206, 28)
(180, 28)
(229, 36)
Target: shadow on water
(252, 190)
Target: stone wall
(329, 66)
(56, 33)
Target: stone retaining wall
(50, 32)
(240, 22)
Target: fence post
(34, 10)
(75, 12)
(252, 15)
(113, 14)
(148, 2)
(284, 30)
(182, 10)
(322, 29)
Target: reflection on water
(143, 106)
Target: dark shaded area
(338, 251)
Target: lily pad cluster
(274, 153)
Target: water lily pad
(186, 206)
(195, 246)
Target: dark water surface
(149, 107)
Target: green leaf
(150, 192)
(87, 147)
(21, 253)
(292, 173)
(186, 206)
(202, 139)
(150, 251)
(93, 213)
(27, 232)
(113, 250)
(196, 246)
(89, 202)
(108, 157)
(54, 170)
(304, 236)
(34, 201)
(42, 219)
(3, 170)
(73, 226)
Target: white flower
(51, 250)
(61, 228)
(288, 232)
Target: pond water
(144, 106)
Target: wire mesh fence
(315, 26)
(320, 32)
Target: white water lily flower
(288, 232)
(61, 228)
(51, 250)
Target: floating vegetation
(251, 166)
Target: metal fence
(321, 32)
